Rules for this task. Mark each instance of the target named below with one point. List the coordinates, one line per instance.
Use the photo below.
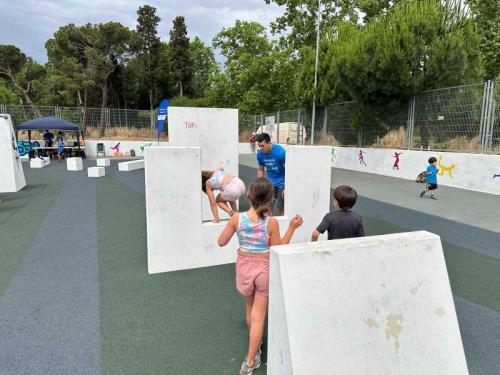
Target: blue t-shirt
(274, 162)
(432, 174)
(60, 147)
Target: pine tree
(181, 62)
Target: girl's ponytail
(260, 195)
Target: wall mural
(396, 162)
(445, 169)
(144, 146)
(116, 149)
(23, 147)
(333, 155)
(496, 175)
(361, 157)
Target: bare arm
(228, 231)
(213, 204)
(260, 171)
(274, 231)
(294, 224)
(315, 236)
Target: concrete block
(96, 171)
(39, 163)
(372, 305)
(127, 166)
(215, 131)
(177, 237)
(74, 164)
(103, 162)
(11, 170)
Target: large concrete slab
(128, 166)
(215, 131)
(372, 305)
(11, 170)
(177, 237)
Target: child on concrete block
(341, 222)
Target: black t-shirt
(342, 224)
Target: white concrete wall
(371, 305)
(125, 147)
(470, 171)
(215, 131)
(177, 238)
(11, 169)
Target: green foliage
(486, 15)
(7, 95)
(204, 66)
(257, 76)
(180, 58)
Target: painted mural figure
(144, 146)
(334, 157)
(361, 157)
(396, 162)
(496, 175)
(116, 149)
(444, 168)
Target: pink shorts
(252, 274)
(233, 190)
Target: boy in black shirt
(342, 222)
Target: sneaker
(422, 194)
(248, 370)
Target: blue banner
(162, 115)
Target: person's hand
(215, 221)
(296, 221)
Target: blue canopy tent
(50, 123)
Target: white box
(127, 166)
(38, 163)
(103, 162)
(371, 305)
(74, 164)
(96, 171)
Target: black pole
(29, 145)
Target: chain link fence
(463, 118)
(96, 123)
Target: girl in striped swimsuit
(256, 232)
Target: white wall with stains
(478, 172)
(370, 305)
(11, 170)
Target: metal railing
(463, 118)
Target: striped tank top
(253, 237)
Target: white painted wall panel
(372, 305)
(11, 170)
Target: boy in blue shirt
(60, 149)
(271, 157)
(431, 178)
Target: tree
(21, 71)
(180, 58)
(486, 15)
(204, 66)
(257, 75)
(298, 23)
(7, 95)
(148, 48)
(100, 48)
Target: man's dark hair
(346, 196)
(263, 137)
(432, 160)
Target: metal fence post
(410, 125)
(488, 139)
(278, 127)
(325, 124)
(299, 128)
(484, 116)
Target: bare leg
(222, 203)
(233, 206)
(248, 310)
(257, 320)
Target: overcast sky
(28, 24)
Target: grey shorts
(279, 200)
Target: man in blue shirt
(271, 158)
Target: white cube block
(96, 171)
(38, 163)
(103, 162)
(131, 165)
(74, 164)
(370, 305)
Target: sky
(28, 24)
